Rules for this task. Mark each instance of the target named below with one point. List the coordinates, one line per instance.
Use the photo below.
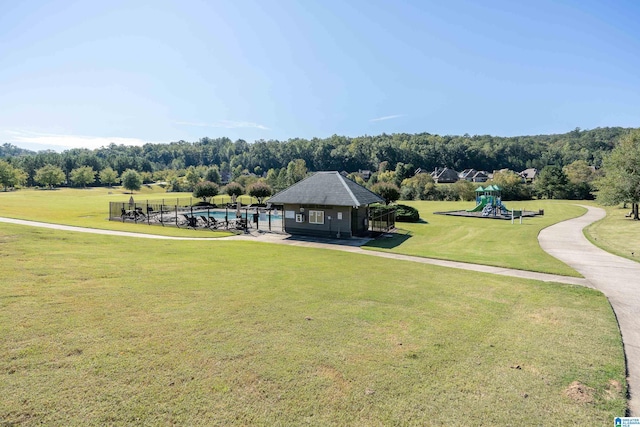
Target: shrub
(406, 213)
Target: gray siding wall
(330, 228)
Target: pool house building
(326, 204)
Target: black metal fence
(183, 213)
(382, 219)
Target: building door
(355, 226)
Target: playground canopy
(489, 190)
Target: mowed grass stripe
(481, 240)
(90, 208)
(103, 330)
(616, 233)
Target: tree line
(568, 161)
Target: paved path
(618, 278)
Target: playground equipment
(489, 202)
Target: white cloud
(379, 119)
(226, 124)
(48, 140)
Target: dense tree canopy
(621, 182)
(552, 183)
(390, 158)
(285, 162)
(11, 176)
(511, 185)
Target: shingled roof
(326, 188)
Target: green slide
(479, 206)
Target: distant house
(480, 176)
(473, 175)
(466, 173)
(444, 175)
(529, 175)
(365, 174)
(326, 204)
(225, 177)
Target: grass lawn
(139, 332)
(616, 233)
(90, 208)
(480, 240)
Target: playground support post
(513, 216)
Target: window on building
(316, 217)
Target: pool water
(219, 215)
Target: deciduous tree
(552, 183)
(465, 190)
(621, 182)
(205, 189)
(131, 180)
(192, 176)
(389, 192)
(108, 176)
(213, 175)
(511, 185)
(11, 176)
(259, 190)
(234, 189)
(83, 176)
(296, 171)
(49, 175)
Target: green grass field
(480, 240)
(616, 233)
(90, 208)
(218, 333)
(104, 330)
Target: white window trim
(313, 217)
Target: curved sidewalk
(618, 278)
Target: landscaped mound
(406, 213)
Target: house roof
(326, 188)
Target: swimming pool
(220, 215)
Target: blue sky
(85, 73)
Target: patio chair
(189, 221)
(211, 222)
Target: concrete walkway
(618, 278)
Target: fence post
(387, 215)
